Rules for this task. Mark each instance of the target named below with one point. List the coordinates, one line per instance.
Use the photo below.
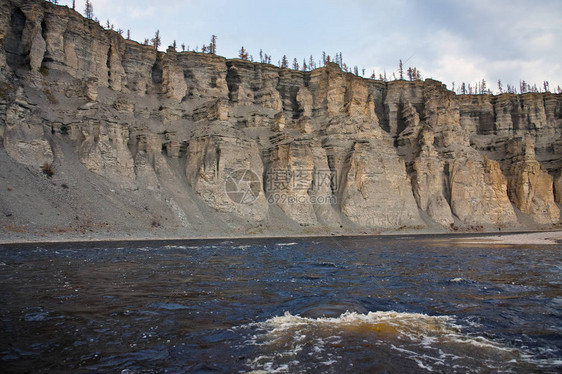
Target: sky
(448, 40)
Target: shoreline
(526, 237)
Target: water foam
(429, 342)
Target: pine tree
(204, 49)
(311, 63)
(73, 4)
(128, 34)
(89, 11)
(174, 45)
(183, 47)
(304, 67)
(213, 45)
(284, 62)
(295, 64)
(261, 56)
(243, 54)
(401, 70)
(156, 41)
(409, 74)
(324, 58)
(500, 87)
(546, 86)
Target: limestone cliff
(197, 144)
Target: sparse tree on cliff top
(183, 47)
(156, 41)
(243, 54)
(213, 45)
(401, 70)
(128, 34)
(500, 87)
(295, 64)
(89, 11)
(284, 62)
(73, 4)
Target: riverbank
(547, 237)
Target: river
(307, 305)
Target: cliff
(153, 143)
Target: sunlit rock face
(177, 129)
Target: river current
(309, 305)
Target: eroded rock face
(24, 135)
(478, 193)
(375, 190)
(530, 186)
(225, 169)
(182, 125)
(531, 191)
(104, 151)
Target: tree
(128, 34)
(546, 86)
(145, 41)
(213, 45)
(311, 63)
(500, 87)
(89, 11)
(304, 67)
(156, 41)
(463, 88)
(284, 62)
(73, 4)
(204, 49)
(174, 45)
(261, 56)
(356, 70)
(483, 86)
(295, 64)
(183, 47)
(401, 70)
(243, 54)
(324, 58)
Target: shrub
(48, 169)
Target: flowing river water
(316, 305)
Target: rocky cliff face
(218, 146)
